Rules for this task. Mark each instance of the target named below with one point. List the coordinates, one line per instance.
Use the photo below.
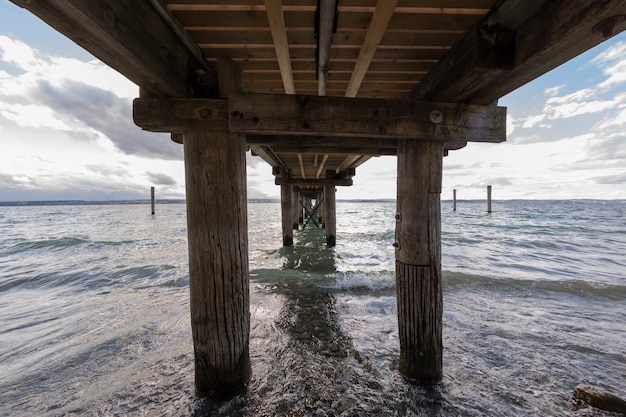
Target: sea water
(94, 312)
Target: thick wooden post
(418, 260)
(489, 199)
(215, 176)
(330, 213)
(286, 208)
(296, 209)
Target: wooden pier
(316, 93)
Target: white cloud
(613, 62)
(533, 121)
(553, 91)
(32, 116)
(56, 70)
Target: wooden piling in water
(330, 212)
(454, 200)
(215, 177)
(297, 209)
(489, 199)
(286, 208)
(418, 260)
(152, 199)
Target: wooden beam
(556, 32)
(347, 162)
(482, 51)
(180, 115)
(266, 153)
(316, 150)
(301, 163)
(128, 36)
(312, 183)
(326, 24)
(378, 25)
(319, 144)
(320, 169)
(281, 45)
(229, 76)
(272, 114)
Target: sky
(66, 132)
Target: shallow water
(94, 313)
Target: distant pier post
(286, 208)
(152, 199)
(489, 199)
(454, 200)
(418, 260)
(330, 212)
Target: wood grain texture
(215, 177)
(418, 259)
(419, 178)
(420, 323)
(180, 115)
(556, 32)
(271, 114)
(281, 44)
(286, 211)
(380, 19)
(330, 215)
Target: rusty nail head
(436, 117)
(206, 113)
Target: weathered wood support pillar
(286, 208)
(215, 177)
(418, 260)
(152, 199)
(330, 212)
(297, 209)
(489, 199)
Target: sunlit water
(94, 312)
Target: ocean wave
(456, 280)
(50, 243)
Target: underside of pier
(316, 88)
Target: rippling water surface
(94, 312)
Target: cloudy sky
(66, 132)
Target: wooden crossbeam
(313, 183)
(378, 24)
(326, 24)
(305, 148)
(301, 163)
(347, 162)
(555, 32)
(266, 153)
(271, 114)
(276, 19)
(275, 115)
(321, 167)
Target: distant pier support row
(215, 133)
